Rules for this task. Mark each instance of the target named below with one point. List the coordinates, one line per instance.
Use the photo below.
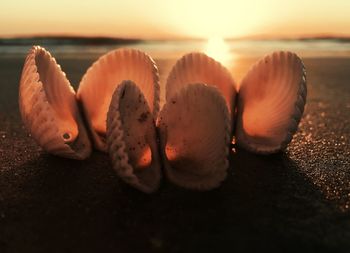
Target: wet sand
(297, 201)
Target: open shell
(194, 129)
(49, 109)
(131, 138)
(101, 79)
(271, 103)
(200, 68)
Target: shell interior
(194, 129)
(49, 109)
(131, 138)
(102, 78)
(271, 102)
(200, 68)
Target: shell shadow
(82, 205)
(265, 200)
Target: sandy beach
(297, 201)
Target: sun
(219, 49)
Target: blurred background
(233, 32)
(223, 29)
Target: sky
(164, 19)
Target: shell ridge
(288, 82)
(117, 146)
(200, 178)
(200, 68)
(39, 116)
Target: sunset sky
(152, 19)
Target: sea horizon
(81, 47)
(89, 46)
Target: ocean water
(174, 49)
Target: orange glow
(145, 158)
(254, 123)
(170, 152)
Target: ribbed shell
(131, 138)
(102, 78)
(49, 109)
(194, 129)
(271, 103)
(200, 68)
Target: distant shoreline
(66, 40)
(101, 40)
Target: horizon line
(175, 38)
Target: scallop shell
(271, 102)
(49, 109)
(200, 68)
(194, 129)
(102, 78)
(131, 138)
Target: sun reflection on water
(219, 49)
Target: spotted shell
(49, 109)
(271, 102)
(101, 79)
(131, 138)
(194, 131)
